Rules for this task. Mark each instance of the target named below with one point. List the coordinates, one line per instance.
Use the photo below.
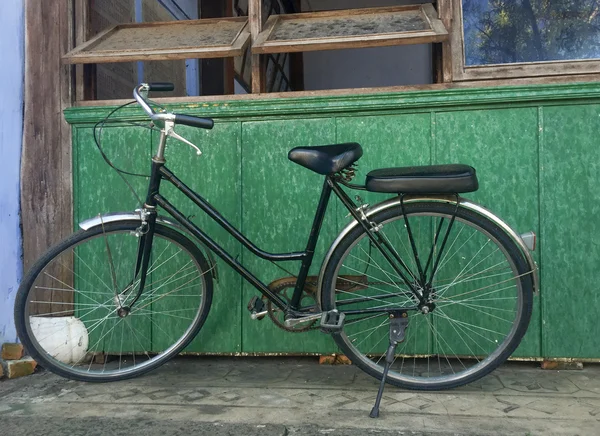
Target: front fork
(143, 257)
(146, 235)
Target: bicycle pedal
(332, 321)
(257, 308)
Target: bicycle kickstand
(398, 323)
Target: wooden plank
(264, 35)
(445, 15)
(175, 54)
(561, 365)
(82, 29)
(169, 40)
(431, 15)
(530, 69)
(528, 81)
(354, 28)
(229, 67)
(457, 42)
(353, 12)
(46, 187)
(259, 83)
(343, 43)
(256, 21)
(301, 28)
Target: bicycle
(425, 290)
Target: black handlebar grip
(161, 86)
(188, 120)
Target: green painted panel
(279, 199)
(215, 175)
(387, 141)
(570, 238)
(99, 189)
(502, 145)
(494, 129)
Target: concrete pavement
(296, 396)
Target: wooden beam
(445, 60)
(229, 67)
(84, 76)
(46, 169)
(256, 20)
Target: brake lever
(169, 131)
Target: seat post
(312, 242)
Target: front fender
(111, 218)
(136, 216)
(467, 204)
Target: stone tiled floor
(516, 399)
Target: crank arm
(291, 322)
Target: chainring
(285, 288)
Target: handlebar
(189, 120)
(140, 93)
(161, 86)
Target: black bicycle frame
(154, 198)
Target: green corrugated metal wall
(535, 149)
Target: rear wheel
(75, 310)
(477, 305)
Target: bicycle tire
(178, 291)
(433, 349)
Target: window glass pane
(513, 31)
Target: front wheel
(77, 313)
(475, 289)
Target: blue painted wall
(11, 133)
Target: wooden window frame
(455, 56)
(86, 53)
(449, 61)
(257, 22)
(436, 31)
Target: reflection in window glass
(512, 31)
